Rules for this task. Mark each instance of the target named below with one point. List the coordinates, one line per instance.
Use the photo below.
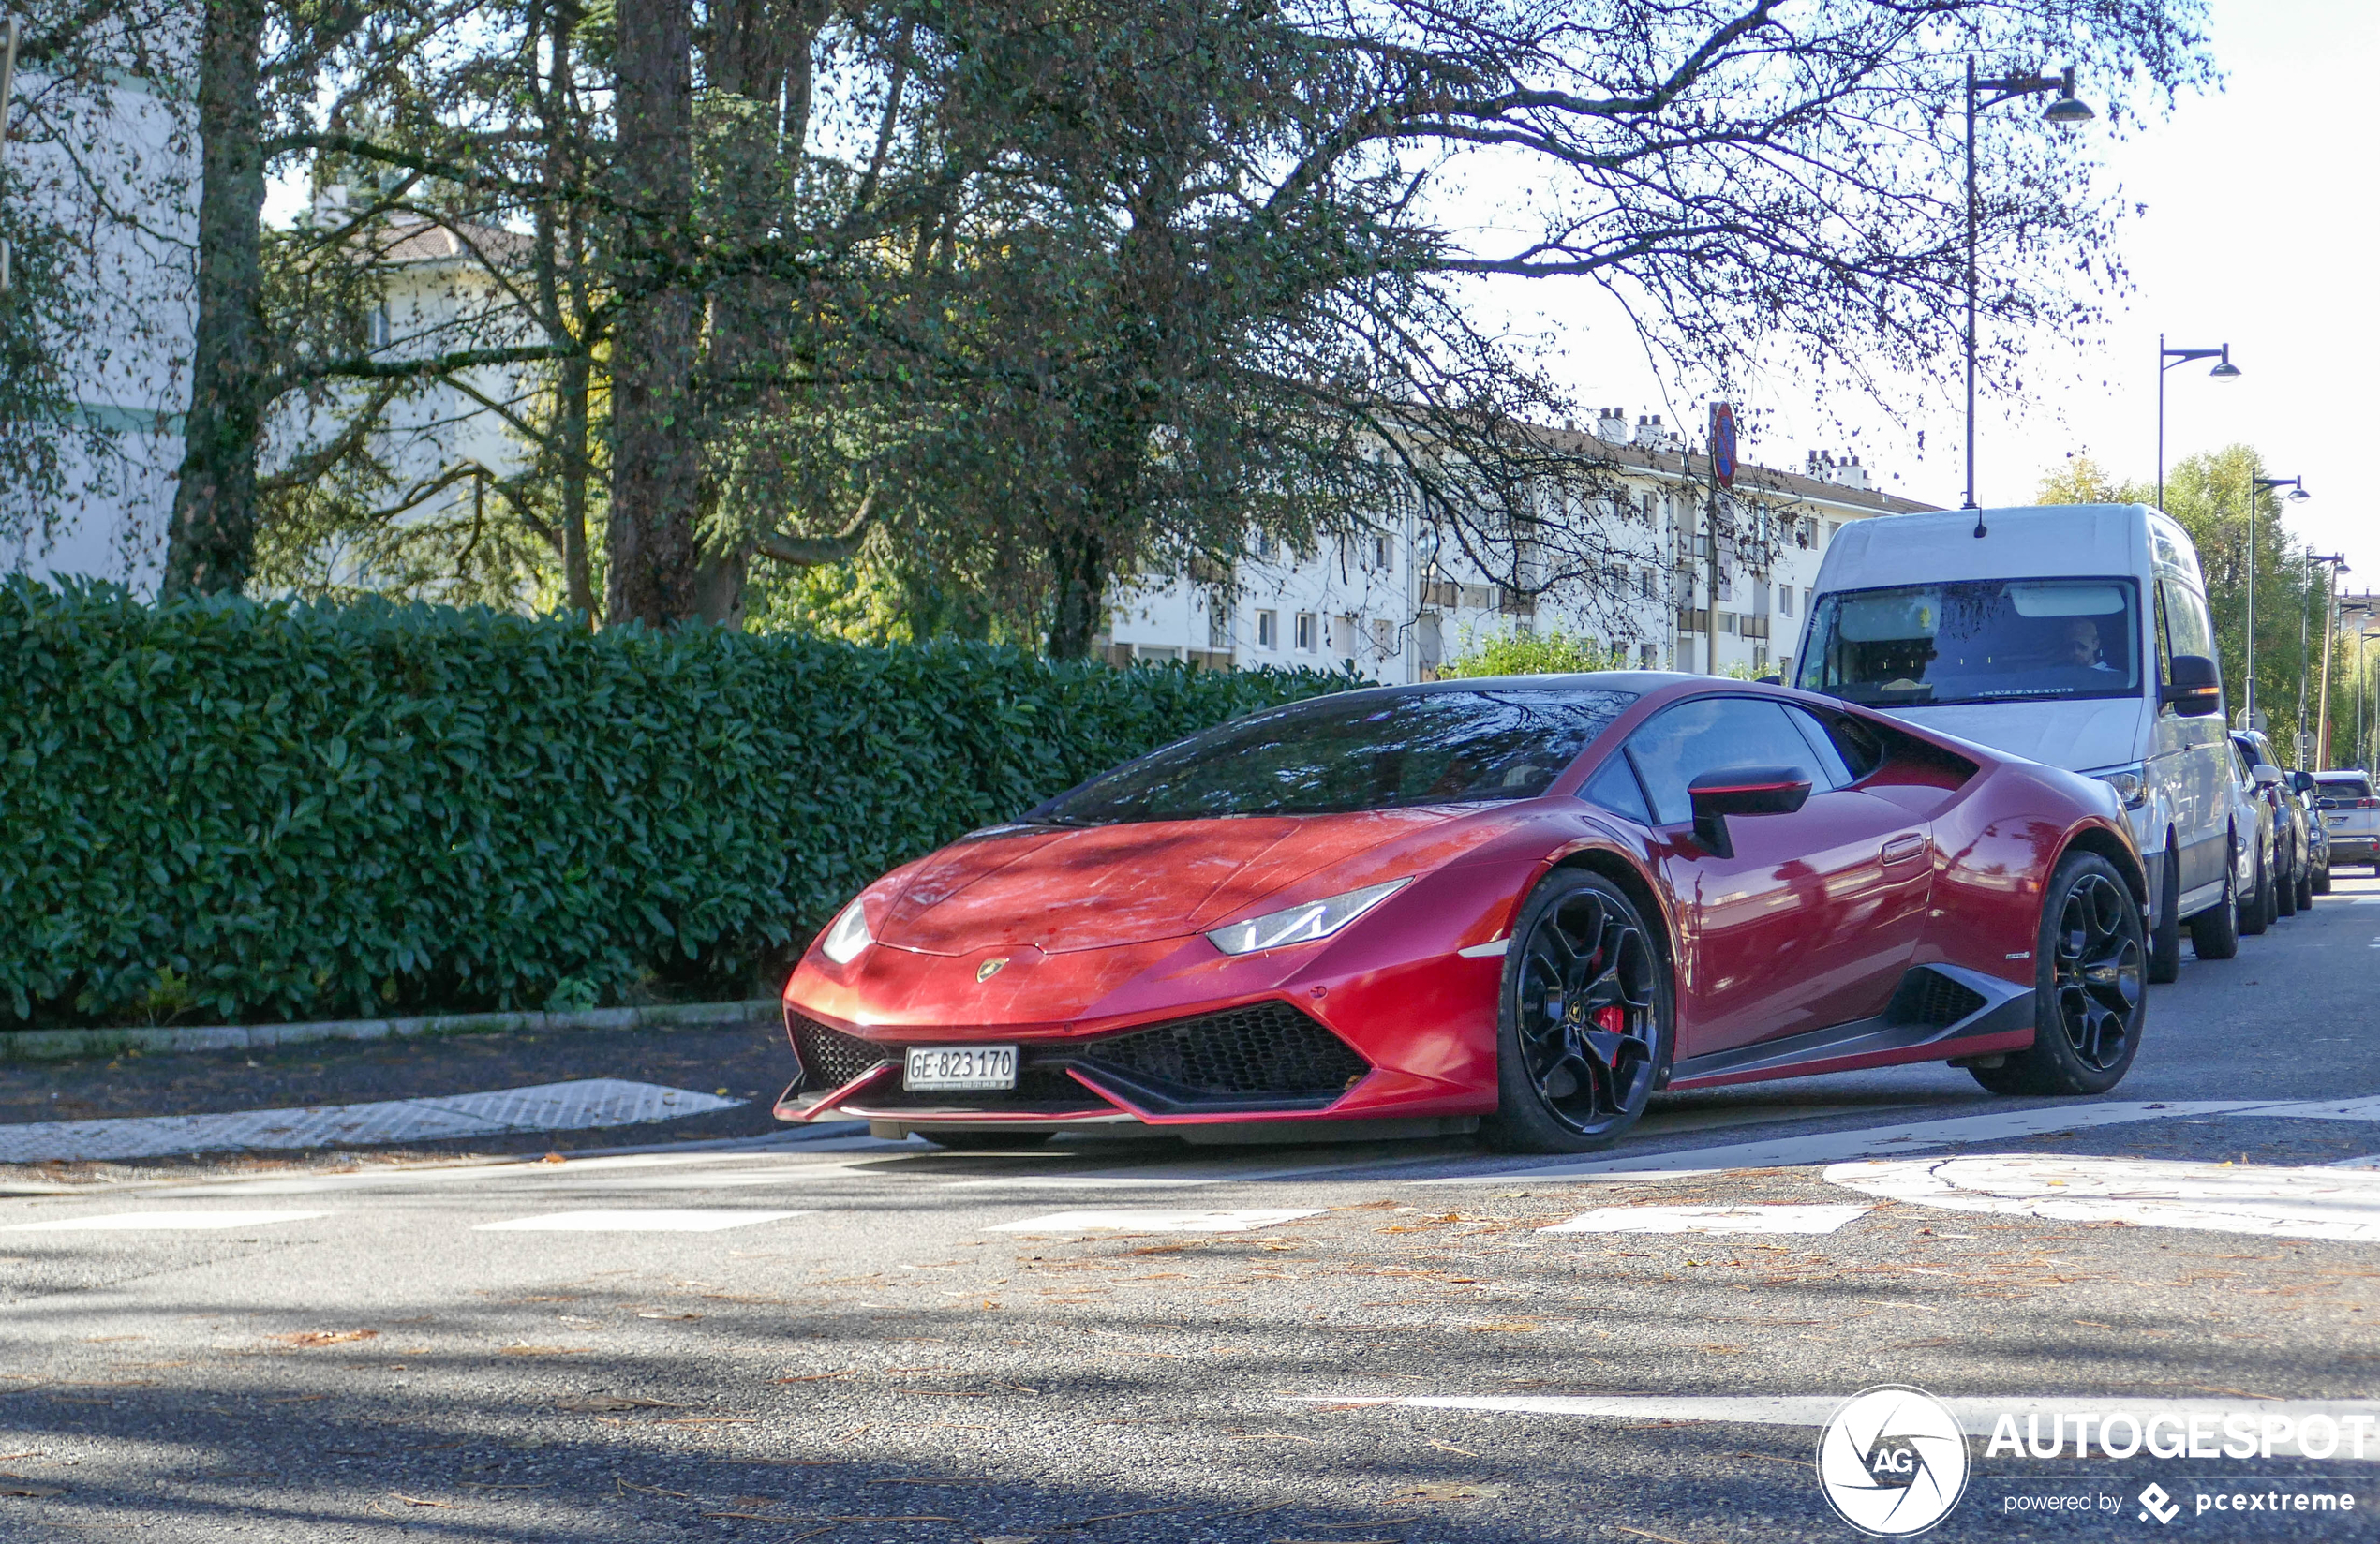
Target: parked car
(2317, 828)
(2292, 822)
(2074, 634)
(2257, 889)
(2351, 815)
(1523, 903)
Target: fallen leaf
(657, 1315)
(326, 1337)
(19, 1488)
(583, 1403)
(1450, 1447)
(417, 1501)
(1450, 1490)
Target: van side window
(2186, 622)
(2165, 641)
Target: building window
(1218, 625)
(379, 327)
(1383, 554)
(1383, 637)
(1306, 640)
(1268, 630)
(1647, 658)
(1785, 600)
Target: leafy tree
(1517, 653)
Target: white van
(2073, 635)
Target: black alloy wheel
(1584, 1028)
(2090, 987)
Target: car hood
(1061, 890)
(2079, 736)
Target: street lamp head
(2225, 369)
(2298, 495)
(2068, 111)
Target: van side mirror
(2194, 687)
(1742, 791)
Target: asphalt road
(862, 1341)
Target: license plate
(2338, 820)
(961, 1068)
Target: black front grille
(829, 1057)
(1264, 1049)
(1929, 997)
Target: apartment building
(1701, 579)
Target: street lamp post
(2305, 657)
(2166, 360)
(2329, 631)
(2066, 111)
(2256, 486)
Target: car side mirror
(2303, 780)
(2193, 687)
(2267, 775)
(1742, 791)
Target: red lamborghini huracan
(1519, 904)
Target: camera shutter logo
(1893, 1462)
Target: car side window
(1821, 744)
(1616, 789)
(1708, 735)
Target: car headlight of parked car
(847, 937)
(1315, 919)
(2131, 783)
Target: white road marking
(2291, 1203)
(581, 1105)
(1976, 1416)
(1712, 1219)
(2326, 1109)
(638, 1220)
(141, 1222)
(1157, 1220)
(1835, 1146)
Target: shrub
(274, 812)
(1531, 654)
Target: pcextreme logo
(1893, 1461)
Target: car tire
(2285, 896)
(2256, 910)
(986, 1142)
(2165, 940)
(2304, 892)
(2214, 933)
(2090, 987)
(2322, 880)
(1586, 1018)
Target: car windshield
(1981, 641)
(1373, 750)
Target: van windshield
(1976, 642)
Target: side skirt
(1938, 1012)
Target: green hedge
(237, 811)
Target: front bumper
(1261, 1059)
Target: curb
(55, 1045)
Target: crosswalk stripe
(161, 1221)
(639, 1220)
(1836, 1146)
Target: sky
(2262, 230)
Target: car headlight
(847, 937)
(1304, 924)
(2131, 783)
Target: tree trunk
(577, 574)
(656, 452)
(1080, 611)
(212, 546)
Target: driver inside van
(2081, 645)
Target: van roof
(2043, 541)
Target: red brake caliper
(1611, 1020)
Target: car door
(2191, 752)
(1814, 918)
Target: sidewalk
(748, 1065)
